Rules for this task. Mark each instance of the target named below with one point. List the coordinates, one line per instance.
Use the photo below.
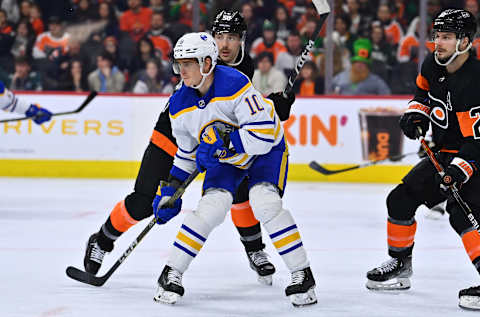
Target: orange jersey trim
(120, 218)
(164, 143)
(242, 215)
(422, 83)
(400, 236)
(466, 123)
(471, 242)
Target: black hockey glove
(410, 121)
(282, 104)
(457, 173)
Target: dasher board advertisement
(115, 129)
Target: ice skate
(302, 288)
(391, 275)
(469, 298)
(260, 264)
(170, 287)
(94, 254)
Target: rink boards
(108, 138)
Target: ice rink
(45, 224)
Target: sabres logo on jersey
(439, 112)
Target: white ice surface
(45, 223)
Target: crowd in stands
(126, 45)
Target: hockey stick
(453, 189)
(85, 103)
(321, 169)
(91, 279)
(323, 9)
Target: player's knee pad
(458, 219)
(139, 206)
(401, 205)
(265, 201)
(213, 206)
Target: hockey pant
(419, 187)
(267, 177)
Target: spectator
(268, 42)
(159, 36)
(11, 10)
(106, 13)
(310, 13)
(359, 80)
(158, 6)
(136, 20)
(341, 36)
(52, 43)
(409, 45)
(84, 12)
(25, 8)
(183, 12)
(393, 29)
(254, 30)
(286, 60)
(266, 78)
(24, 78)
(308, 83)
(7, 38)
(283, 22)
(382, 50)
(359, 24)
(77, 79)
(107, 77)
(110, 45)
(145, 52)
(24, 39)
(307, 33)
(152, 80)
(36, 19)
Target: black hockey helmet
(229, 22)
(458, 21)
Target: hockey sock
(189, 241)
(117, 223)
(471, 242)
(400, 235)
(286, 239)
(248, 226)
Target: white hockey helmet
(196, 45)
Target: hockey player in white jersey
(224, 126)
(11, 103)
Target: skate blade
(469, 302)
(265, 280)
(400, 283)
(166, 297)
(304, 299)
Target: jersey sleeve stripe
(189, 109)
(163, 142)
(262, 139)
(466, 123)
(422, 83)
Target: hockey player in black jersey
(157, 162)
(448, 100)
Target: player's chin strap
(204, 75)
(454, 55)
(242, 49)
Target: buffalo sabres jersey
(452, 101)
(10, 103)
(230, 104)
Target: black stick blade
(84, 277)
(319, 168)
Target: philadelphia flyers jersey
(452, 101)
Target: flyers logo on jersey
(439, 112)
